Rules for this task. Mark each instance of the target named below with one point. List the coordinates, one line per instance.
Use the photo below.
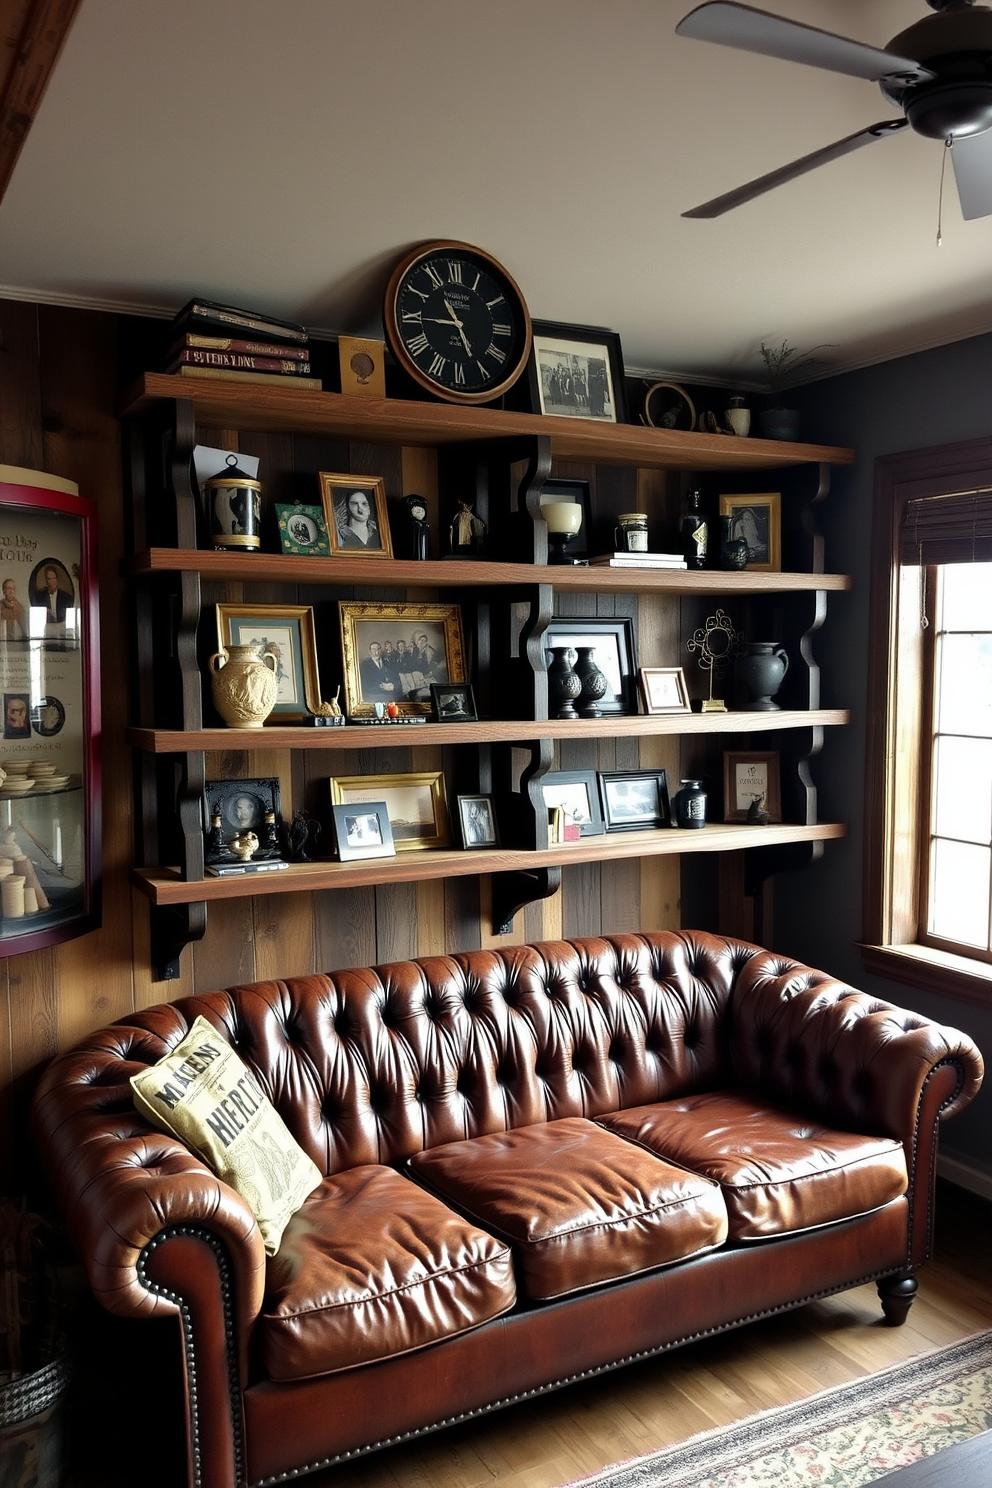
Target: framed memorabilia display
(362, 362)
(456, 322)
(663, 690)
(356, 515)
(286, 633)
(758, 520)
(576, 793)
(612, 642)
(418, 813)
(452, 702)
(50, 809)
(749, 779)
(232, 808)
(362, 830)
(392, 653)
(668, 406)
(634, 800)
(303, 531)
(477, 821)
(577, 372)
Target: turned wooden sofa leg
(897, 1293)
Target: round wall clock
(456, 322)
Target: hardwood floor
(573, 1432)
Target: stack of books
(213, 340)
(641, 560)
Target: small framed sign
(362, 830)
(751, 782)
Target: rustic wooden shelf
(459, 573)
(246, 405)
(164, 886)
(485, 731)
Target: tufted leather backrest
(371, 1065)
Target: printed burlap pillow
(206, 1096)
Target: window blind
(953, 528)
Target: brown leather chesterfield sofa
(541, 1162)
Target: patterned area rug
(841, 1438)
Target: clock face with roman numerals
(457, 323)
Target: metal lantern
(234, 508)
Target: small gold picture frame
(663, 690)
(363, 366)
(285, 632)
(758, 519)
(748, 778)
(392, 653)
(418, 812)
(356, 515)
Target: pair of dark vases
(576, 686)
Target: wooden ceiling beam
(32, 34)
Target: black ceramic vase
(564, 686)
(594, 683)
(762, 668)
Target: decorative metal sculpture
(716, 641)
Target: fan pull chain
(940, 200)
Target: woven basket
(30, 1394)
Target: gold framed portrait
(286, 633)
(356, 515)
(757, 518)
(393, 653)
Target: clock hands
(460, 325)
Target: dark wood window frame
(893, 775)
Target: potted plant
(781, 365)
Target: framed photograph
(303, 531)
(453, 702)
(362, 830)
(748, 778)
(356, 516)
(577, 372)
(231, 807)
(576, 792)
(415, 803)
(612, 643)
(758, 520)
(393, 653)
(286, 633)
(477, 821)
(634, 800)
(663, 690)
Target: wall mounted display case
(49, 713)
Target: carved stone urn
(244, 685)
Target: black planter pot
(779, 423)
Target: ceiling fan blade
(742, 194)
(971, 155)
(753, 30)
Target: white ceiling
(283, 153)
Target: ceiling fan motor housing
(956, 46)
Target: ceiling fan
(938, 71)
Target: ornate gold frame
(354, 613)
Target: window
(928, 810)
(956, 871)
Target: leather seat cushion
(372, 1266)
(579, 1205)
(779, 1172)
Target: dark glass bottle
(694, 532)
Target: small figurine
(331, 709)
(215, 842)
(271, 830)
(418, 532)
(467, 532)
(301, 830)
(757, 816)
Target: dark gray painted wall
(935, 397)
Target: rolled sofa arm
(821, 1046)
(121, 1184)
